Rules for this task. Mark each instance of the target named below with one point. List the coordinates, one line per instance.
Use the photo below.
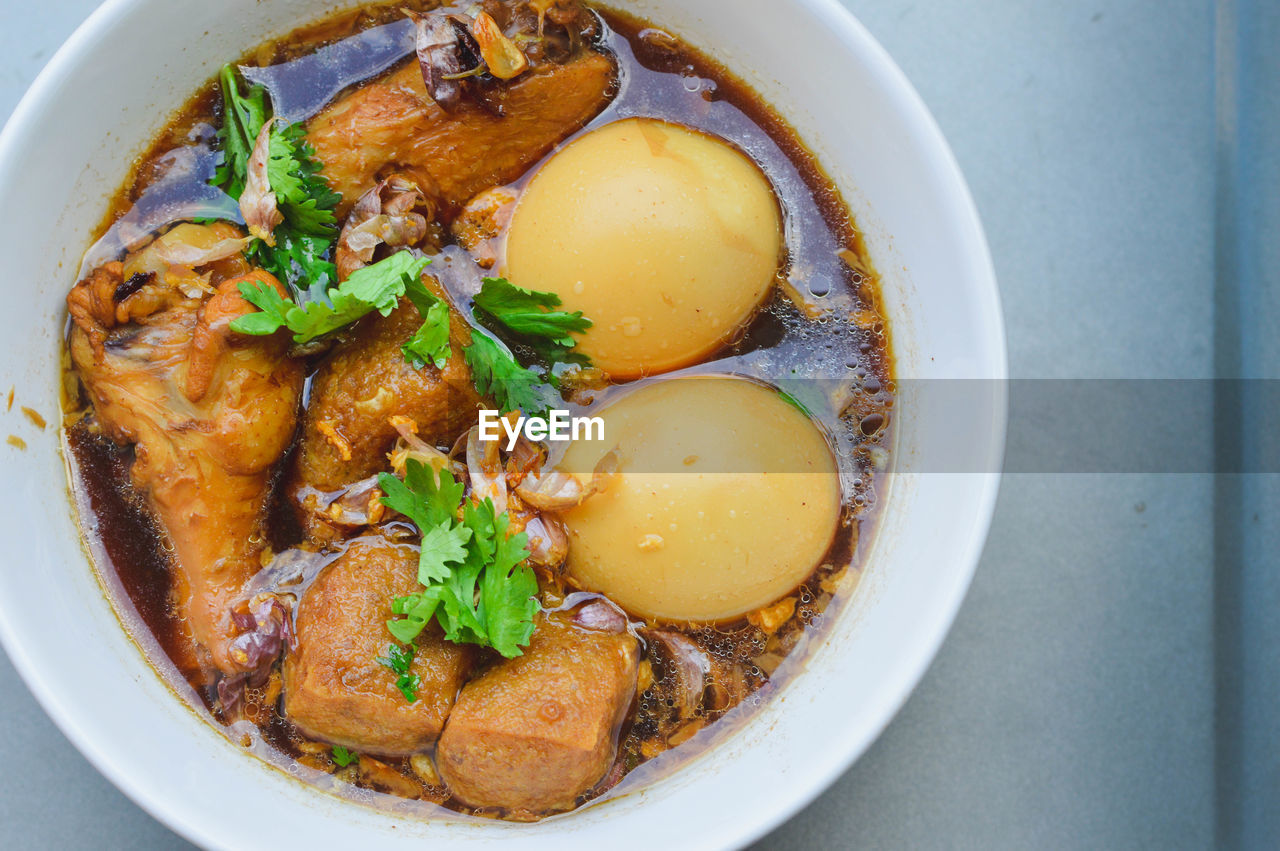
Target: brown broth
(130, 540)
(847, 345)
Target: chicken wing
(392, 124)
(209, 414)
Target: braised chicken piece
(393, 125)
(367, 380)
(536, 732)
(208, 412)
(335, 689)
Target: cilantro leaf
(398, 660)
(422, 497)
(430, 343)
(528, 318)
(303, 196)
(476, 582)
(459, 614)
(343, 757)
(272, 309)
(528, 312)
(481, 519)
(495, 372)
(440, 547)
(300, 260)
(461, 617)
(409, 685)
(432, 505)
(377, 287)
(416, 611)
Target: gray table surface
(1111, 679)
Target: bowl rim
(846, 749)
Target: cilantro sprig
(399, 661)
(302, 255)
(474, 577)
(343, 757)
(242, 118)
(377, 287)
(304, 196)
(528, 318)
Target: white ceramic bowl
(68, 146)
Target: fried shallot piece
(393, 125)
(209, 414)
(347, 430)
(394, 213)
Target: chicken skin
(209, 414)
(393, 125)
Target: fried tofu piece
(536, 732)
(394, 123)
(335, 690)
(346, 431)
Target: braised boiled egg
(726, 498)
(668, 239)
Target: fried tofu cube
(335, 690)
(536, 732)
